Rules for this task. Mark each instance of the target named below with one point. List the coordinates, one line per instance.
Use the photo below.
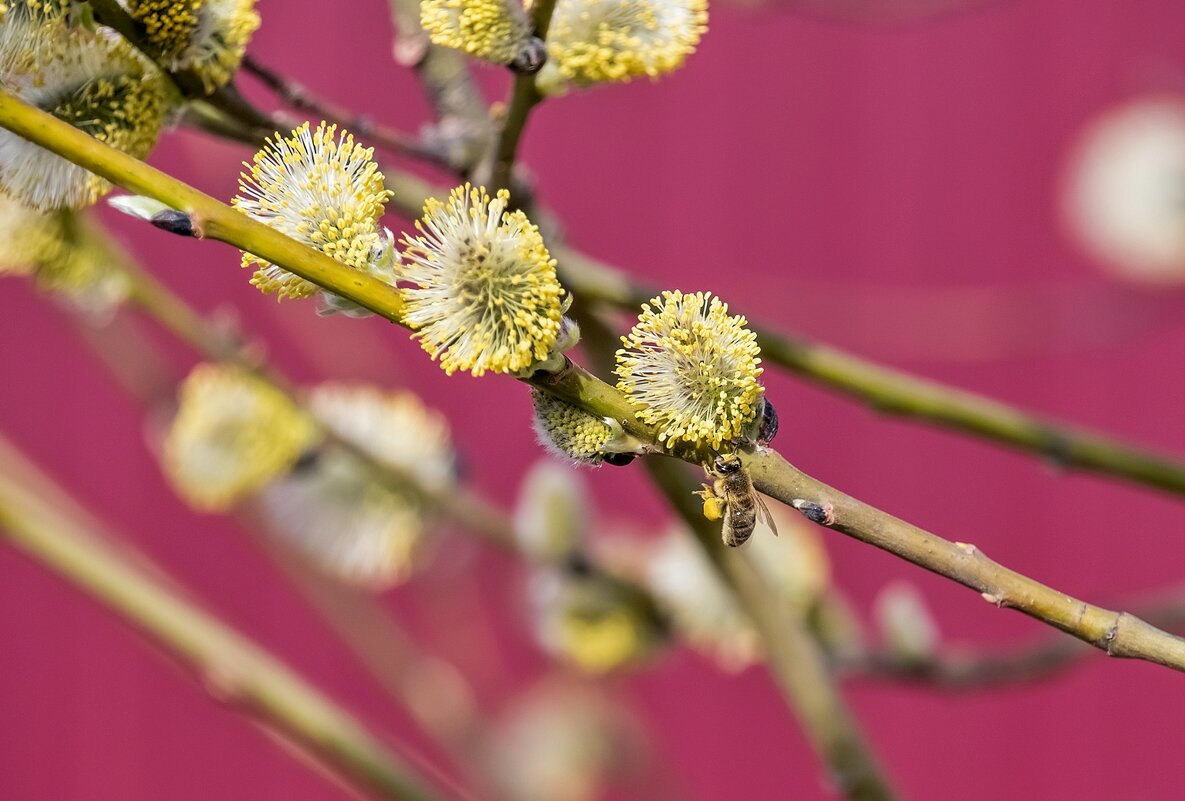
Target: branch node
(1108, 641)
(225, 680)
(967, 548)
(410, 50)
(993, 598)
(821, 513)
(176, 222)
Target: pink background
(889, 189)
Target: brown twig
(298, 97)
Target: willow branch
(431, 691)
(234, 670)
(897, 393)
(211, 218)
(1119, 634)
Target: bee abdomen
(738, 525)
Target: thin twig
(385, 137)
(1119, 634)
(523, 99)
(444, 72)
(234, 671)
(463, 124)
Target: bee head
(726, 466)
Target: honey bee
(733, 498)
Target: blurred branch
(463, 124)
(1119, 634)
(444, 72)
(234, 671)
(219, 343)
(793, 656)
(962, 669)
(426, 687)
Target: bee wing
(763, 513)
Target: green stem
(235, 671)
(523, 99)
(897, 393)
(212, 219)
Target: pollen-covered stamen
(233, 433)
(206, 36)
(347, 522)
(343, 514)
(484, 293)
(93, 81)
(169, 25)
(497, 31)
(394, 428)
(324, 190)
(692, 369)
(599, 41)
